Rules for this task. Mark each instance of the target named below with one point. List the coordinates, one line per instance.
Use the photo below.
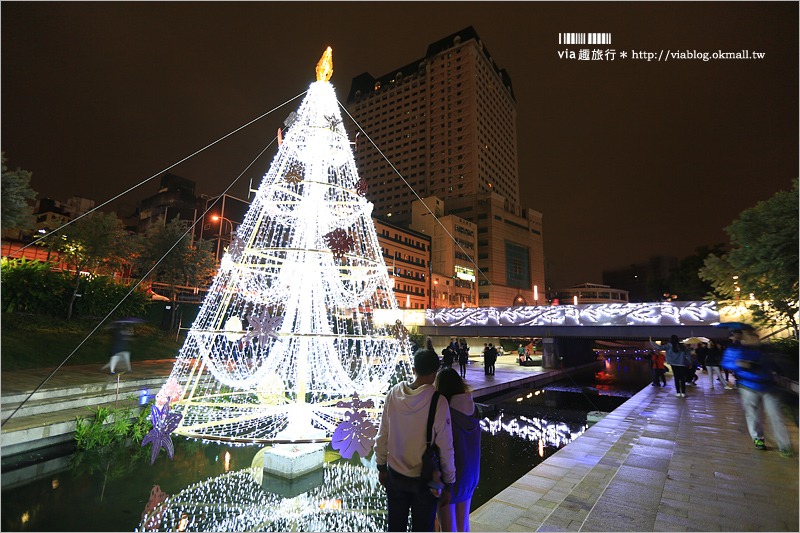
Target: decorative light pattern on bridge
(645, 314)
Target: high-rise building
(447, 123)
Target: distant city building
(453, 254)
(635, 277)
(175, 198)
(588, 293)
(407, 256)
(50, 214)
(448, 124)
(510, 249)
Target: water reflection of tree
(349, 499)
(115, 460)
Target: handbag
(430, 457)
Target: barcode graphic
(584, 38)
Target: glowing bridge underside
(631, 321)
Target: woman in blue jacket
(466, 446)
(678, 359)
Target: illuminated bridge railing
(592, 315)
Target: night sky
(626, 158)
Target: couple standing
(401, 441)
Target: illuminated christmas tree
(299, 317)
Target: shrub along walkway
(657, 463)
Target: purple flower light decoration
(354, 435)
(164, 423)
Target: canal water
(213, 487)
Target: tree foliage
(95, 243)
(33, 287)
(15, 213)
(177, 260)
(763, 260)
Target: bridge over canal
(595, 321)
(568, 331)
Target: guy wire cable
(415, 193)
(191, 228)
(157, 174)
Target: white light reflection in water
(349, 499)
(532, 429)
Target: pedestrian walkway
(21, 381)
(656, 463)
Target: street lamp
(219, 242)
(217, 217)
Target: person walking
(678, 358)
(715, 354)
(466, 448)
(463, 359)
(658, 369)
(712, 360)
(753, 370)
(120, 349)
(401, 441)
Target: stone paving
(657, 463)
(19, 381)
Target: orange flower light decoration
(325, 66)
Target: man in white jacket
(401, 442)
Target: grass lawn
(36, 341)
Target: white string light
(287, 328)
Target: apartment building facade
(407, 256)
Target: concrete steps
(49, 417)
